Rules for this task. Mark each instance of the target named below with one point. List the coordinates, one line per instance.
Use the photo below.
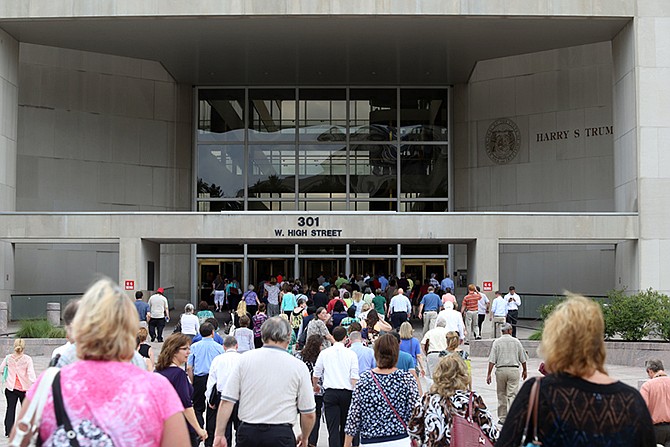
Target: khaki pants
(507, 385)
(431, 362)
(429, 320)
(497, 323)
(471, 324)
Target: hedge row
(632, 317)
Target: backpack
(296, 319)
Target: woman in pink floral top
(135, 408)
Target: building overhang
(410, 49)
(321, 228)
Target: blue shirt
(431, 302)
(405, 361)
(202, 354)
(412, 347)
(447, 282)
(366, 357)
(142, 309)
(499, 307)
(384, 282)
(217, 338)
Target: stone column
(9, 110)
(642, 135)
(134, 254)
(484, 262)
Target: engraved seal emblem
(502, 140)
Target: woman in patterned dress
(382, 401)
(432, 419)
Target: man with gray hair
(507, 354)
(267, 411)
(656, 393)
(219, 372)
(434, 341)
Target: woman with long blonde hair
(103, 390)
(579, 403)
(432, 419)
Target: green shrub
(661, 318)
(536, 336)
(39, 329)
(632, 316)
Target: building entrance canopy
(244, 48)
(139, 235)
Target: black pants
(199, 401)
(512, 318)
(336, 406)
(156, 326)
(398, 318)
(211, 425)
(252, 309)
(13, 397)
(265, 435)
(662, 432)
(314, 436)
(480, 321)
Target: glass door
(421, 269)
(311, 269)
(207, 271)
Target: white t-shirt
(481, 304)
(338, 366)
(190, 324)
(249, 379)
(158, 304)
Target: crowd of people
(353, 357)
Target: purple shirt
(250, 297)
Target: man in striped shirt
(469, 310)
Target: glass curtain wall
(322, 149)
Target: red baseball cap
(160, 290)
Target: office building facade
(162, 142)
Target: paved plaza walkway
(629, 375)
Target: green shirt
(379, 302)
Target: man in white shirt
(261, 402)
(483, 306)
(158, 306)
(219, 371)
(434, 341)
(339, 368)
(498, 313)
(453, 319)
(400, 309)
(513, 302)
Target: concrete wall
(97, 133)
(568, 89)
(557, 95)
(585, 269)
(9, 58)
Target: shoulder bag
(413, 442)
(28, 427)
(465, 432)
(533, 409)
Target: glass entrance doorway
(311, 269)
(373, 266)
(209, 268)
(264, 269)
(421, 269)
